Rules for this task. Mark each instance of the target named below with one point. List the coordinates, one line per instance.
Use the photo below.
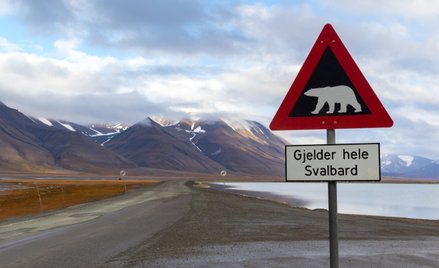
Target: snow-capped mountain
(148, 144)
(100, 133)
(202, 145)
(28, 145)
(59, 124)
(103, 133)
(405, 165)
(163, 121)
(209, 146)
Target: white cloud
(235, 59)
(7, 46)
(6, 6)
(412, 9)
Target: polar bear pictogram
(338, 94)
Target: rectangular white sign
(333, 162)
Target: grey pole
(332, 207)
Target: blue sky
(94, 61)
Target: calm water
(383, 199)
(8, 186)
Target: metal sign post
(330, 92)
(332, 209)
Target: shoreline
(226, 229)
(186, 224)
(282, 199)
(297, 199)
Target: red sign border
(378, 116)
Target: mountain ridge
(410, 166)
(212, 143)
(49, 145)
(31, 145)
(208, 146)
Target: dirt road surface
(177, 224)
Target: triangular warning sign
(330, 92)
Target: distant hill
(159, 146)
(148, 144)
(30, 145)
(204, 146)
(100, 133)
(409, 166)
(20, 148)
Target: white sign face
(333, 162)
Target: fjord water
(419, 201)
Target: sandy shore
(229, 230)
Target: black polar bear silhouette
(332, 95)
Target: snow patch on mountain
(164, 122)
(260, 130)
(408, 159)
(67, 126)
(45, 121)
(194, 131)
(408, 166)
(217, 152)
(102, 144)
(199, 130)
(105, 131)
(193, 143)
(109, 127)
(98, 133)
(237, 125)
(250, 129)
(117, 126)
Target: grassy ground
(35, 196)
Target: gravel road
(90, 234)
(178, 224)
